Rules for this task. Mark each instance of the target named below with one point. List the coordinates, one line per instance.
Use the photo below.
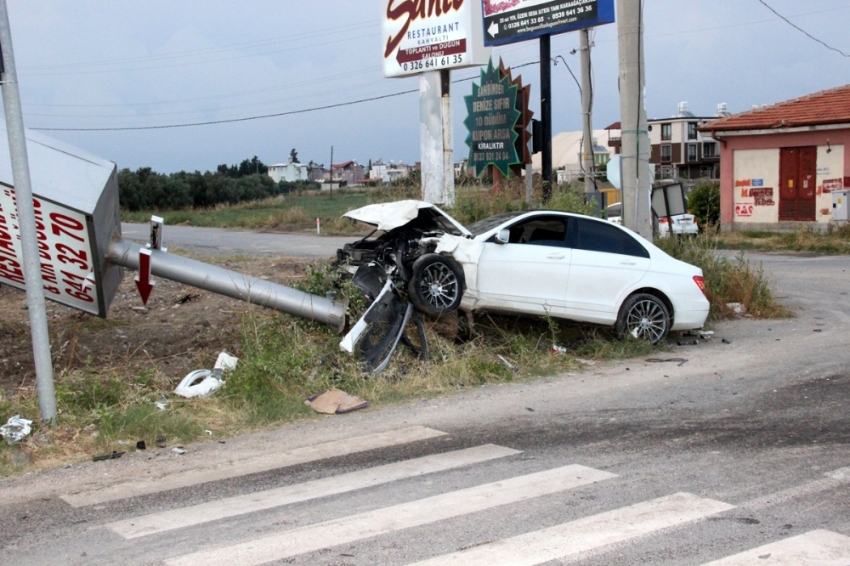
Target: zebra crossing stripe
(814, 548)
(265, 463)
(268, 499)
(398, 517)
(586, 534)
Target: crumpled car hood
(388, 215)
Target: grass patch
(298, 212)
(836, 240)
(726, 280)
(286, 213)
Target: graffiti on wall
(763, 196)
(830, 185)
(743, 209)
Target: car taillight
(662, 221)
(700, 281)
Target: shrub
(704, 203)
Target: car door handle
(555, 256)
(628, 263)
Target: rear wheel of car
(644, 317)
(436, 286)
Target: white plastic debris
(203, 382)
(15, 429)
(225, 361)
(198, 383)
(737, 308)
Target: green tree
(704, 204)
(293, 156)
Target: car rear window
(598, 236)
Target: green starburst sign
(491, 117)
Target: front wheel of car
(644, 317)
(436, 286)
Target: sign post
(21, 210)
(428, 39)
(521, 20)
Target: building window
(666, 153)
(666, 132)
(709, 150)
(692, 152)
(692, 130)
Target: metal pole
(587, 162)
(26, 219)
(331, 174)
(448, 151)
(546, 115)
(231, 284)
(635, 135)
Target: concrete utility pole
(587, 162)
(635, 135)
(26, 220)
(435, 123)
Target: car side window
(599, 236)
(540, 231)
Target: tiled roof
(821, 108)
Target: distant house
(289, 172)
(567, 150)
(680, 150)
(387, 173)
(349, 172)
(780, 164)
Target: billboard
(75, 196)
(429, 35)
(518, 20)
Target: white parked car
(683, 224)
(538, 262)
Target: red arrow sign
(143, 279)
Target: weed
(726, 280)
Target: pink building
(780, 164)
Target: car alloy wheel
(436, 286)
(644, 317)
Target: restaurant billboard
(510, 21)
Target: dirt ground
(181, 329)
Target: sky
(141, 63)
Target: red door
(797, 168)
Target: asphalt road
(735, 450)
(218, 242)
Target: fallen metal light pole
(230, 284)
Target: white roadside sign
(64, 249)
(429, 35)
(75, 198)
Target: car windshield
(489, 223)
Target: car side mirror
(503, 237)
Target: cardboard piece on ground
(335, 401)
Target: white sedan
(539, 262)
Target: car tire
(436, 286)
(644, 317)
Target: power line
(264, 116)
(795, 26)
(158, 67)
(208, 50)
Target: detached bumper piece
(375, 337)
